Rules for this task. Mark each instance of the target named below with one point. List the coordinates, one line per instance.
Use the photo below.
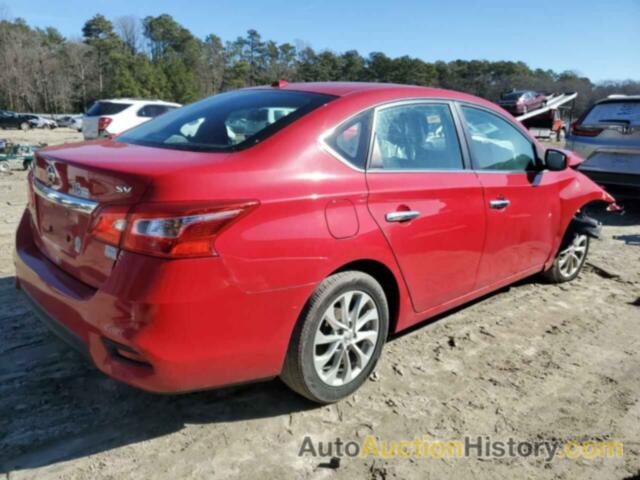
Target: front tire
(570, 259)
(338, 339)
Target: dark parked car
(522, 101)
(14, 120)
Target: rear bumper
(58, 328)
(186, 322)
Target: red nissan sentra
(289, 230)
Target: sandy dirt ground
(532, 362)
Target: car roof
(139, 101)
(619, 98)
(390, 90)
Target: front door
(428, 205)
(521, 201)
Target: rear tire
(24, 126)
(570, 259)
(326, 362)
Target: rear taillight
(581, 131)
(104, 122)
(172, 231)
(110, 224)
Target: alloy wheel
(571, 258)
(346, 338)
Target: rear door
(521, 202)
(427, 203)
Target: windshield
(624, 113)
(226, 122)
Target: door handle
(402, 216)
(499, 204)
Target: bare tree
(129, 29)
(5, 12)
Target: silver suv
(608, 137)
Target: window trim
(458, 118)
(322, 139)
(475, 167)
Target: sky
(597, 38)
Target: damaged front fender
(586, 225)
(576, 191)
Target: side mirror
(555, 160)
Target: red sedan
(522, 101)
(289, 230)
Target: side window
(495, 144)
(416, 137)
(351, 139)
(145, 112)
(151, 111)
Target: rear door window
(416, 137)
(106, 108)
(150, 111)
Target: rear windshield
(624, 113)
(226, 122)
(512, 95)
(106, 108)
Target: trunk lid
(69, 186)
(66, 200)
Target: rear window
(625, 113)
(226, 122)
(106, 108)
(512, 95)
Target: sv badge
(123, 189)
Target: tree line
(156, 57)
